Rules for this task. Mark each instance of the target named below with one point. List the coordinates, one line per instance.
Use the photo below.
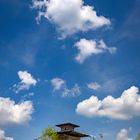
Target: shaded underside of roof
(73, 133)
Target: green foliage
(138, 137)
(49, 133)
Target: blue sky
(69, 61)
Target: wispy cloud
(74, 91)
(57, 83)
(26, 96)
(94, 86)
(61, 85)
(129, 29)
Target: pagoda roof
(65, 124)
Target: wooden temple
(67, 132)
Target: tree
(138, 137)
(49, 133)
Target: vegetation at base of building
(49, 133)
(138, 136)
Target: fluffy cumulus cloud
(60, 84)
(57, 83)
(70, 16)
(123, 135)
(27, 80)
(94, 86)
(124, 107)
(12, 113)
(88, 48)
(3, 137)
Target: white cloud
(60, 84)
(91, 47)
(3, 137)
(74, 91)
(27, 80)
(57, 83)
(70, 16)
(123, 135)
(12, 113)
(94, 86)
(124, 107)
(26, 96)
